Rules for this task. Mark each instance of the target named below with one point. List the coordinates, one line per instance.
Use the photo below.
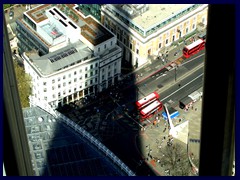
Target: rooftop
(62, 58)
(57, 150)
(94, 32)
(153, 14)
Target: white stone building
(143, 30)
(83, 59)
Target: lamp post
(175, 74)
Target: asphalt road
(162, 78)
(188, 85)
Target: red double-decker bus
(147, 100)
(193, 48)
(151, 109)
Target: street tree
(23, 83)
(176, 160)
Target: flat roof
(58, 60)
(93, 31)
(156, 13)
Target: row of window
(75, 73)
(75, 80)
(105, 46)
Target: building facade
(83, 57)
(143, 30)
(91, 9)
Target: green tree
(24, 84)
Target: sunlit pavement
(152, 138)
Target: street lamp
(176, 73)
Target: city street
(112, 118)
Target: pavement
(188, 129)
(188, 136)
(143, 72)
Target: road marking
(182, 87)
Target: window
(80, 71)
(45, 98)
(69, 90)
(99, 49)
(86, 83)
(105, 46)
(109, 66)
(103, 70)
(86, 75)
(59, 94)
(109, 74)
(193, 26)
(91, 73)
(69, 82)
(91, 81)
(130, 45)
(115, 64)
(53, 81)
(45, 90)
(86, 68)
(103, 77)
(166, 41)
(160, 45)
(137, 51)
(44, 83)
(53, 96)
(95, 80)
(75, 72)
(80, 78)
(96, 71)
(69, 75)
(59, 85)
(64, 77)
(91, 67)
(75, 79)
(53, 88)
(59, 79)
(96, 65)
(64, 84)
(115, 71)
(111, 43)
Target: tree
(176, 160)
(24, 84)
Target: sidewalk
(171, 57)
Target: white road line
(182, 87)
